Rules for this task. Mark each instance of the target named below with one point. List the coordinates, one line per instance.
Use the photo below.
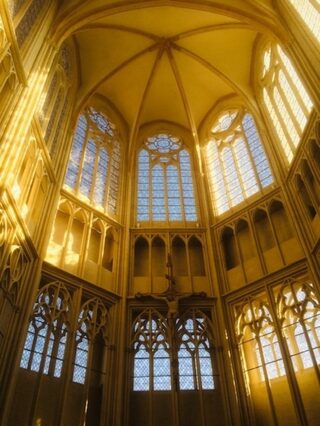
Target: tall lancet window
(151, 369)
(94, 166)
(236, 160)
(309, 11)
(165, 181)
(45, 344)
(285, 98)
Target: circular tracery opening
(163, 143)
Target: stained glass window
(151, 365)
(194, 354)
(285, 98)
(155, 348)
(94, 166)
(93, 321)
(309, 11)
(299, 311)
(45, 344)
(82, 349)
(165, 183)
(258, 341)
(236, 160)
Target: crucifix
(171, 296)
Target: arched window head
(309, 12)
(45, 344)
(285, 98)
(151, 363)
(195, 352)
(236, 160)
(94, 166)
(165, 182)
(93, 322)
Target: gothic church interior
(159, 212)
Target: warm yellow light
(310, 14)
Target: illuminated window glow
(298, 311)
(287, 101)
(237, 163)
(94, 165)
(165, 181)
(45, 344)
(93, 322)
(153, 352)
(309, 11)
(194, 358)
(151, 369)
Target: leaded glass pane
(88, 168)
(96, 172)
(172, 195)
(310, 14)
(285, 98)
(46, 338)
(158, 191)
(186, 379)
(161, 370)
(101, 177)
(236, 161)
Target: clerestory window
(309, 12)
(236, 160)
(285, 98)
(165, 190)
(94, 166)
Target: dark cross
(171, 296)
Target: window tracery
(194, 354)
(236, 160)
(92, 322)
(172, 353)
(280, 320)
(94, 165)
(258, 341)
(299, 311)
(151, 365)
(165, 183)
(285, 98)
(45, 343)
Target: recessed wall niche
(188, 257)
(83, 244)
(258, 243)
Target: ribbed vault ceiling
(162, 61)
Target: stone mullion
(69, 355)
(83, 156)
(253, 164)
(305, 332)
(294, 89)
(256, 333)
(291, 377)
(280, 119)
